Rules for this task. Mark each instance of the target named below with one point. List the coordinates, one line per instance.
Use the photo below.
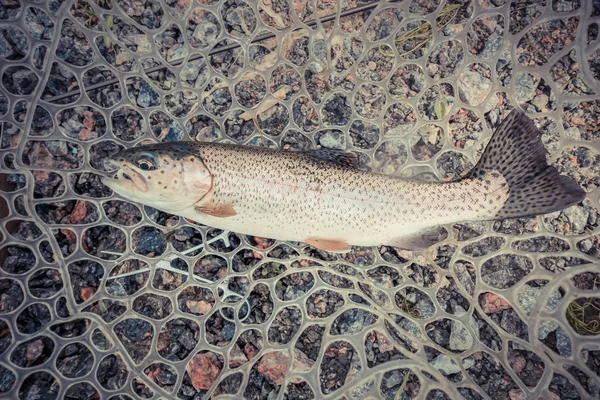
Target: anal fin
(334, 245)
(421, 240)
(221, 210)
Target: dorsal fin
(340, 157)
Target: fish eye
(146, 164)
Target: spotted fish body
(291, 196)
(309, 197)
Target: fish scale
(329, 200)
(317, 197)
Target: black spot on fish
(162, 171)
(159, 182)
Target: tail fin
(516, 151)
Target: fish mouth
(126, 179)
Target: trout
(319, 197)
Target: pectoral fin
(222, 210)
(419, 241)
(336, 245)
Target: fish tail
(516, 151)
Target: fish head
(166, 176)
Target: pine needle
(577, 314)
(423, 33)
(402, 387)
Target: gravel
(95, 288)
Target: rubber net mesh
(101, 298)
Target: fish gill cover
(100, 298)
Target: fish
(321, 198)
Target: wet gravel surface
(102, 298)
